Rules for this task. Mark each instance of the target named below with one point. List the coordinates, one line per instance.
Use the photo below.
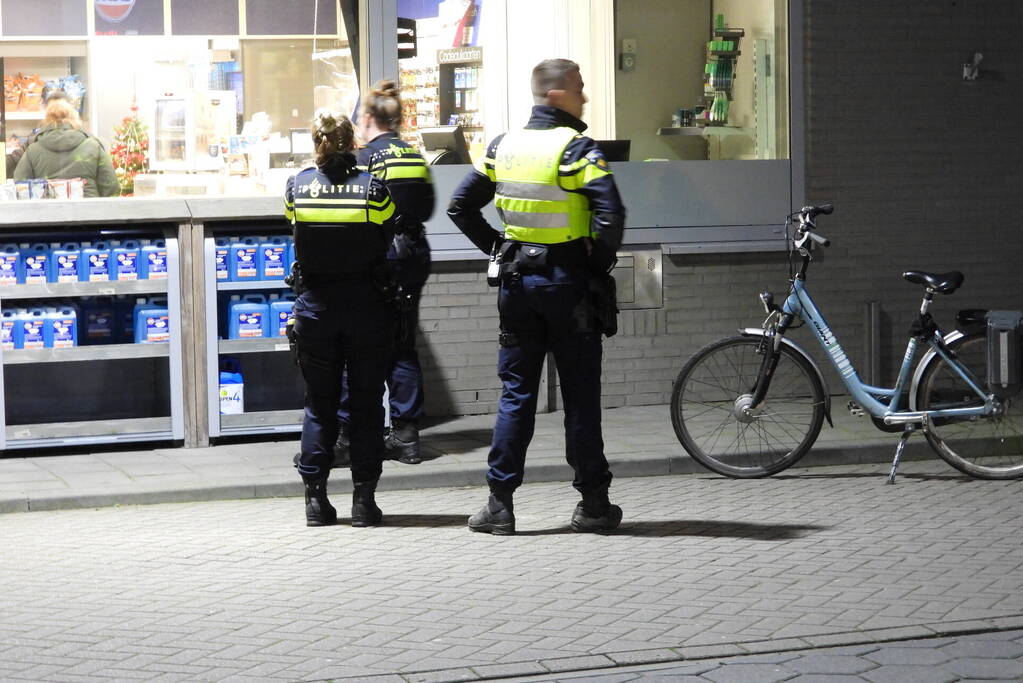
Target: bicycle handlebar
(819, 239)
(813, 211)
(806, 225)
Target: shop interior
(226, 112)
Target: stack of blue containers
(88, 320)
(255, 259)
(98, 261)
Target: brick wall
(924, 171)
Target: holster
(384, 282)
(289, 331)
(503, 263)
(296, 280)
(604, 296)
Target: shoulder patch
(596, 157)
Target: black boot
(402, 443)
(497, 517)
(364, 508)
(596, 514)
(342, 449)
(318, 510)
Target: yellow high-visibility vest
(531, 204)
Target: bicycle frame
(800, 303)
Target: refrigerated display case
(190, 130)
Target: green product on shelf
(719, 22)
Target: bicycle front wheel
(709, 409)
(983, 446)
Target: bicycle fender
(953, 336)
(759, 332)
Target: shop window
(442, 83)
(703, 79)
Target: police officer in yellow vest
(563, 221)
(344, 221)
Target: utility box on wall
(639, 279)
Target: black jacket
(343, 219)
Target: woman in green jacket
(62, 150)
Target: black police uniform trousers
(543, 311)
(404, 373)
(344, 325)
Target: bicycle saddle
(943, 283)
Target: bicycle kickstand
(908, 432)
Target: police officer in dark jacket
(344, 221)
(563, 222)
(407, 177)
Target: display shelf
(729, 33)
(86, 353)
(24, 116)
(262, 422)
(716, 129)
(255, 284)
(48, 290)
(259, 345)
(725, 53)
(90, 432)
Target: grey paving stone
(909, 674)
(984, 647)
(1004, 669)
(508, 670)
(743, 673)
(442, 676)
(642, 656)
(917, 656)
(577, 663)
(824, 663)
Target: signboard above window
(270, 18)
(43, 17)
(129, 17)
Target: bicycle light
(767, 299)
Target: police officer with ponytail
(344, 222)
(405, 173)
(563, 222)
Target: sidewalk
(821, 572)
(639, 441)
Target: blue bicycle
(753, 405)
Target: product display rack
(420, 108)
(719, 77)
(77, 382)
(276, 385)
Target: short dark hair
(550, 74)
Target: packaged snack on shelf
(22, 189)
(58, 188)
(76, 188)
(12, 92)
(8, 191)
(38, 188)
(31, 93)
(74, 89)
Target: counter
(140, 392)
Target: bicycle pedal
(855, 409)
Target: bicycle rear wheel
(717, 383)
(986, 447)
